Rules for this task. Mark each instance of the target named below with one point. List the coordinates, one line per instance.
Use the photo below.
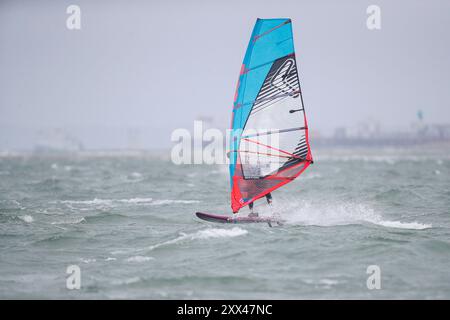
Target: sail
(269, 144)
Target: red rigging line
(275, 131)
(267, 154)
(270, 147)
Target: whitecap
(26, 218)
(328, 282)
(75, 220)
(139, 259)
(403, 225)
(201, 234)
(107, 202)
(131, 280)
(136, 200)
(168, 201)
(88, 202)
(110, 259)
(89, 260)
(219, 233)
(136, 175)
(126, 281)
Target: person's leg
(252, 214)
(269, 198)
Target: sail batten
(269, 136)
(272, 132)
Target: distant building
(57, 140)
(340, 133)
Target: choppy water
(128, 223)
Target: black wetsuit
(268, 198)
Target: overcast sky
(144, 68)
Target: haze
(137, 70)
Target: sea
(360, 223)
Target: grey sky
(149, 67)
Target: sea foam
(139, 259)
(198, 235)
(334, 214)
(204, 234)
(26, 218)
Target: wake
(314, 214)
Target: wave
(60, 238)
(128, 281)
(390, 159)
(95, 201)
(307, 213)
(165, 202)
(88, 260)
(110, 217)
(139, 259)
(26, 218)
(199, 235)
(204, 234)
(135, 175)
(219, 233)
(312, 175)
(324, 283)
(74, 220)
(88, 202)
(138, 201)
(403, 225)
(110, 259)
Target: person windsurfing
(268, 122)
